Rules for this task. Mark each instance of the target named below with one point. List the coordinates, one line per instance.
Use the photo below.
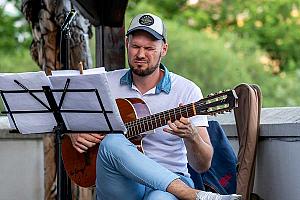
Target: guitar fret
(143, 126)
(146, 127)
(165, 118)
(176, 115)
(169, 112)
(174, 111)
(149, 123)
(153, 122)
(186, 111)
(193, 109)
(154, 119)
(161, 123)
(161, 119)
(146, 123)
(139, 127)
(158, 122)
(180, 109)
(129, 132)
(134, 128)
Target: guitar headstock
(217, 103)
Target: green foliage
(166, 8)
(282, 90)
(14, 31)
(274, 25)
(19, 61)
(217, 63)
(15, 41)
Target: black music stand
(63, 182)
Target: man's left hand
(182, 128)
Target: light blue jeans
(125, 173)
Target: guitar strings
(174, 112)
(142, 124)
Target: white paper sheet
(88, 101)
(45, 122)
(28, 123)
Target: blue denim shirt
(221, 176)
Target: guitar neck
(154, 121)
(213, 104)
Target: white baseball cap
(150, 23)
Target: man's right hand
(82, 141)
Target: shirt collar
(163, 85)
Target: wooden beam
(110, 47)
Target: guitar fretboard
(154, 121)
(211, 105)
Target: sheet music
(27, 123)
(45, 122)
(88, 101)
(97, 70)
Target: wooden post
(108, 18)
(110, 47)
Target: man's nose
(141, 53)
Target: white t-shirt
(167, 149)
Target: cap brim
(149, 30)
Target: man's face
(144, 53)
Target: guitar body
(81, 167)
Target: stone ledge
(275, 122)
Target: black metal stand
(65, 36)
(63, 182)
(64, 53)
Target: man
(161, 173)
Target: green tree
(15, 41)
(14, 30)
(274, 25)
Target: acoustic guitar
(81, 167)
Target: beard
(143, 72)
(147, 71)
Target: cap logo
(146, 20)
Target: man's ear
(164, 49)
(126, 42)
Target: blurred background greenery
(216, 43)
